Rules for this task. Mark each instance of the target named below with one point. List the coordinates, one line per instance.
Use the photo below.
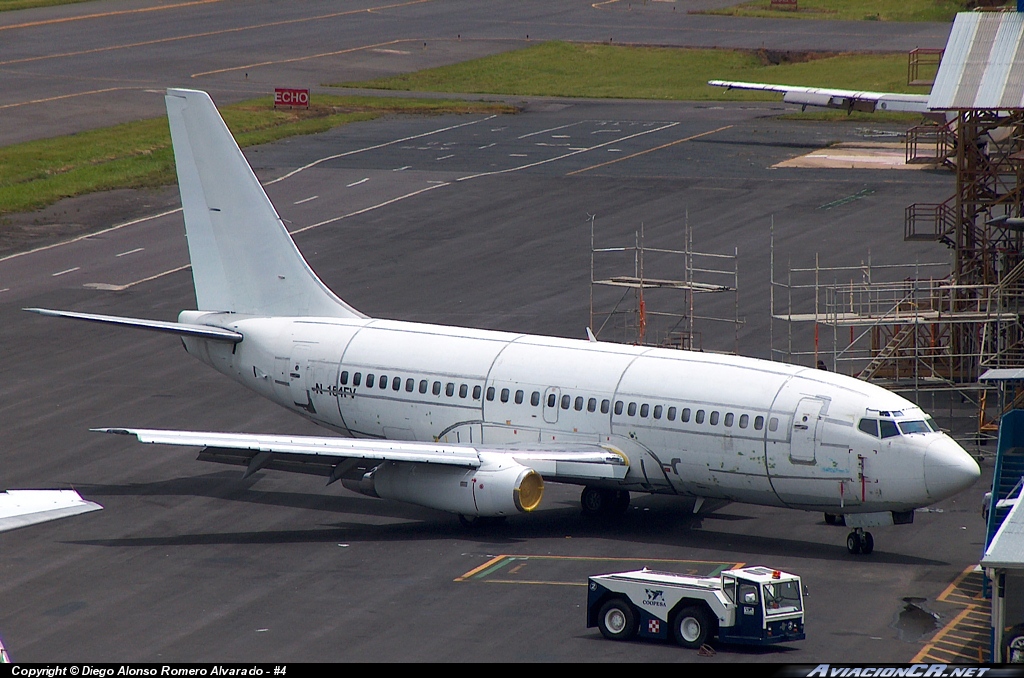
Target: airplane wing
(571, 462)
(845, 99)
(19, 508)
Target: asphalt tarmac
(465, 220)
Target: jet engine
(499, 487)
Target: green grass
(139, 155)
(852, 10)
(588, 70)
(7, 5)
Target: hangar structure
(918, 328)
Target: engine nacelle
(500, 487)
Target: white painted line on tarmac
(401, 169)
(6, 289)
(70, 270)
(445, 157)
(312, 197)
(89, 235)
(367, 209)
(371, 148)
(567, 155)
(480, 148)
(550, 129)
(124, 254)
(356, 183)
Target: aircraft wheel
(1013, 645)
(617, 620)
(595, 501)
(691, 627)
(867, 543)
(853, 544)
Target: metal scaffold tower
(656, 307)
(921, 328)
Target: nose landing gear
(860, 542)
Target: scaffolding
(656, 307)
(919, 328)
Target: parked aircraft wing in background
(19, 508)
(845, 99)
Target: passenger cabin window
(370, 379)
(463, 391)
(436, 388)
(344, 378)
(744, 420)
(888, 428)
(566, 401)
(714, 418)
(423, 385)
(684, 416)
(477, 391)
(578, 404)
(551, 400)
(618, 407)
(383, 383)
(773, 424)
(535, 398)
(758, 423)
(604, 406)
(410, 385)
(519, 397)
(700, 417)
(592, 405)
(671, 414)
(645, 409)
(631, 410)
(356, 378)
(490, 393)
(728, 419)
(396, 384)
(658, 409)
(504, 395)
(449, 389)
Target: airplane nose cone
(948, 469)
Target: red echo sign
(291, 97)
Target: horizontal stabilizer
(19, 508)
(202, 331)
(318, 455)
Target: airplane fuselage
(691, 424)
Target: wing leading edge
(323, 455)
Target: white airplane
(472, 421)
(845, 99)
(19, 508)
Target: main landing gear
(602, 502)
(860, 541)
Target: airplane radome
(474, 422)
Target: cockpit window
(932, 425)
(869, 426)
(888, 428)
(913, 426)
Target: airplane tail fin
(243, 258)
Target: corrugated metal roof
(983, 65)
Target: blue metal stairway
(1009, 467)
